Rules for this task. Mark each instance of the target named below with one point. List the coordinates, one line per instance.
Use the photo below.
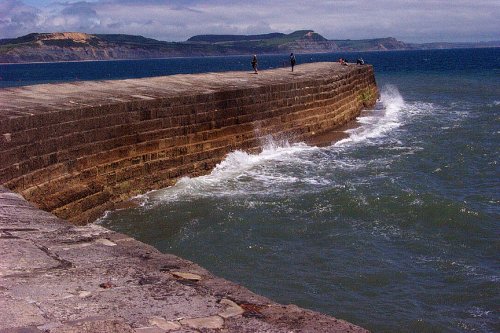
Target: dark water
(395, 228)
(399, 62)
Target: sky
(407, 20)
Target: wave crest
(379, 122)
(280, 164)
(242, 173)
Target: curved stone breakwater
(77, 149)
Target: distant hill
(73, 46)
(69, 46)
(377, 44)
(77, 46)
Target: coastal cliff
(77, 46)
(77, 149)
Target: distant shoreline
(244, 54)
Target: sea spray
(242, 173)
(379, 122)
(239, 169)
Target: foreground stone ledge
(60, 278)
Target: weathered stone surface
(26, 329)
(164, 324)
(232, 309)
(214, 322)
(17, 313)
(84, 294)
(187, 276)
(105, 241)
(65, 294)
(94, 324)
(149, 330)
(22, 256)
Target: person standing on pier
(292, 60)
(254, 63)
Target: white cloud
(16, 18)
(411, 20)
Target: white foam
(103, 217)
(281, 165)
(243, 173)
(493, 104)
(141, 200)
(380, 122)
(478, 312)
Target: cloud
(77, 16)
(175, 20)
(16, 18)
(81, 8)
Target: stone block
(213, 322)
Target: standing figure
(292, 60)
(254, 63)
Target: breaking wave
(281, 165)
(242, 173)
(385, 118)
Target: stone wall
(77, 149)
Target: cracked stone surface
(60, 278)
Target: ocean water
(394, 228)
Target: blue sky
(176, 20)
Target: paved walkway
(49, 98)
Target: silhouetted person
(360, 61)
(293, 61)
(254, 63)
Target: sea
(395, 227)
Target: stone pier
(71, 151)
(77, 149)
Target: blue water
(385, 62)
(395, 228)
